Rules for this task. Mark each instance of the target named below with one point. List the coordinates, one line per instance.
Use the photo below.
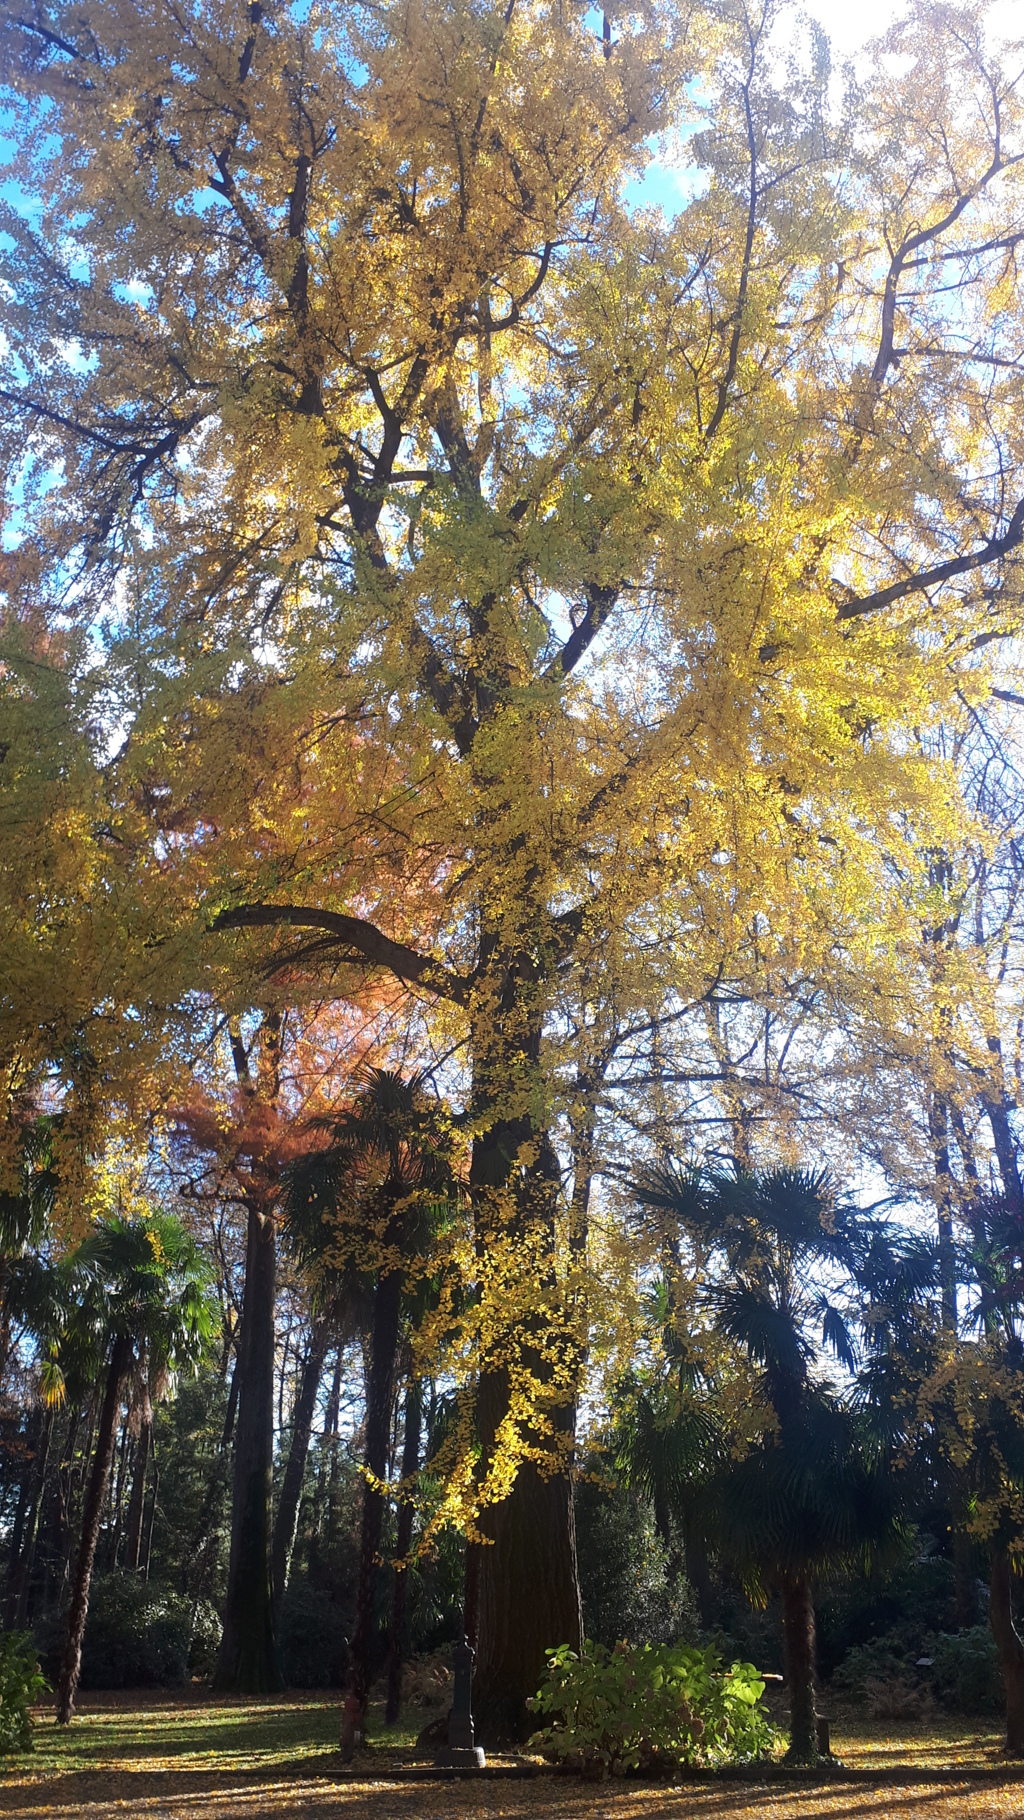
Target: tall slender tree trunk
(387, 1305)
(22, 1586)
(247, 1660)
(798, 1637)
(294, 1472)
(92, 1511)
(33, 1436)
(137, 1500)
(406, 1512)
(1010, 1648)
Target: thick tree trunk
(247, 1661)
(294, 1472)
(798, 1636)
(387, 1307)
(71, 1666)
(406, 1513)
(137, 1500)
(1010, 1648)
(528, 1597)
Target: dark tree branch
(352, 932)
(944, 571)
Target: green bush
(965, 1676)
(143, 1635)
(652, 1708)
(21, 1683)
(960, 1669)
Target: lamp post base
(454, 1756)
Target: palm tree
(144, 1293)
(364, 1205)
(811, 1493)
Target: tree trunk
(406, 1513)
(18, 1613)
(137, 1501)
(699, 1573)
(965, 1580)
(247, 1660)
(294, 1472)
(798, 1636)
(26, 1484)
(147, 1547)
(1010, 1648)
(71, 1666)
(387, 1306)
(529, 1595)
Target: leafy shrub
(21, 1683)
(899, 1676)
(965, 1674)
(651, 1708)
(139, 1635)
(311, 1638)
(626, 1585)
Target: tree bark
(387, 1307)
(71, 1666)
(18, 1612)
(26, 1483)
(406, 1513)
(1010, 1648)
(528, 1584)
(137, 1500)
(294, 1472)
(247, 1660)
(798, 1636)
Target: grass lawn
(189, 1758)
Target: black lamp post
(460, 1752)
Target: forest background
(508, 741)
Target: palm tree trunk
(798, 1635)
(71, 1666)
(1010, 1648)
(406, 1513)
(294, 1472)
(247, 1660)
(387, 1305)
(137, 1501)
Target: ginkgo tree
(500, 590)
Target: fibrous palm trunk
(137, 1500)
(387, 1305)
(92, 1511)
(1010, 1648)
(798, 1635)
(247, 1660)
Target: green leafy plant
(21, 1684)
(653, 1708)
